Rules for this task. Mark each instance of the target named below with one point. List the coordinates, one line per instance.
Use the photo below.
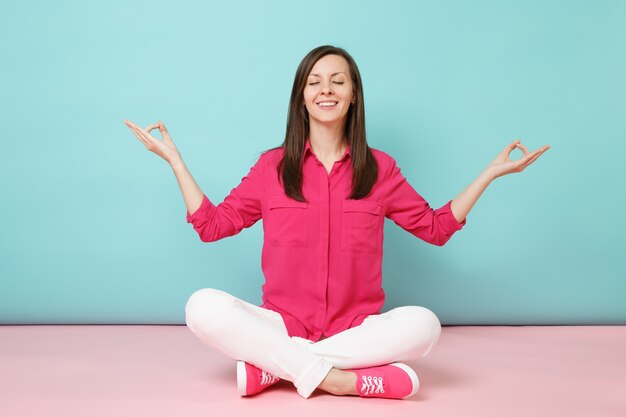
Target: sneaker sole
(414, 379)
(242, 379)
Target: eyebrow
(332, 75)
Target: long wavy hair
(364, 166)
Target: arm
(192, 194)
(411, 211)
(167, 150)
(242, 208)
(464, 202)
(502, 165)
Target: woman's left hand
(503, 165)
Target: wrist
(488, 175)
(177, 163)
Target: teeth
(327, 104)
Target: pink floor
(136, 371)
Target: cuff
(205, 208)
(447, 219)
(312, 377)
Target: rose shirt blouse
(322, 258)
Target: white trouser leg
(250, 333)
(402, 334)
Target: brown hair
(364, 166)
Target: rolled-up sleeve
(240, 209)
(411, 211)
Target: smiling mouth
(327, 104)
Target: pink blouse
(322, 259)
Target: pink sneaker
(252, 380)
(395, 380)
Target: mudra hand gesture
(165, 149)
(503, 165)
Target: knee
(205, 306)
(422, 324)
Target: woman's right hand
(165, 149)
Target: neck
(327, 140)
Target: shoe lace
(267, 378)
(372, 385)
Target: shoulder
(384, 160)
(272, 156)
(268, 158)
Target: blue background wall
(93, 225)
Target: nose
(326, 88)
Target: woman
(323, 196)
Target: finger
(129, 123)
(523, 148)
(532, 154)
(139, 136)
(165, 133)
(152, 127)
(145, 137)
(162, 127)
(533, 158)
(537, 154)
(512, 145)
(137, 127)
(542, 151)
(134, 127)
(543, 148)
(523, 161)
(509, 148)
(147, 129)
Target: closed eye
(336, 82)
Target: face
(328, 91)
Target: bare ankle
(339, 382)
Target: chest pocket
(287, 222)
(362, 226)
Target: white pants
(243, 331)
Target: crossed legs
(243, 331)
